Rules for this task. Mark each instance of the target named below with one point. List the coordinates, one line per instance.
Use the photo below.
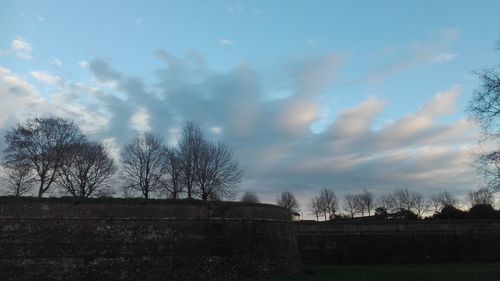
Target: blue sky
(274, 78)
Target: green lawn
(413, 272)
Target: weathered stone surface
(345, 242)
(42, 240)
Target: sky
(308, 94)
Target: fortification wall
(346, 242)
(164, 240)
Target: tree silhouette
(442, 199)
(484, 108)
(173, 182)
(208, 169)
(483, 196)
(287, 200)
(190, 148)
(17, 178)
(327, 202)
(143, 164)
(86, 170)
(315, 207)
(42, 144)
(250, 197)
(216, 172)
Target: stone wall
(345, 242)
(164, 240)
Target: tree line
(54, 154)
(399, 204)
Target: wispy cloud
(277, 147)
(21, 48)
(434, 50)
(83, 64)
(45, 77)
(234, 9)
(226, 42)
(272, 138)
(56, 62)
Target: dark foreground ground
(411, 272)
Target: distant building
(296, 216)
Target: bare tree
(403, 200)
(42, 143)
(250, 197)
(143, 164)
(447, 199)
(216, 172)
(420, 205)
(315, 207)
(366, 201)
(17, 178)
(484, 109)
(387, 202)
(435, 203)
(441, 200)
(359, 205)
(208, 169)
(174, 181)
(287, 200)
(483, 196)
(487, 165)
(190, 148)
(328, 202)
(350, 204)
(86, 170)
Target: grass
(410, 272)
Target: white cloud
(226, 42)
(446, 34)
(20, 44)
(297, 116)
(358, 120)
(83, 64)
(271, 138)
(311, 42)
(140, 120)
(434, 50)
(17, 98)
(443, 57)
(56, 62)
(234, 9)
(216, 130)
(45, 77)
(22, 48)
(20, 100)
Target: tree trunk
(40, 190)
